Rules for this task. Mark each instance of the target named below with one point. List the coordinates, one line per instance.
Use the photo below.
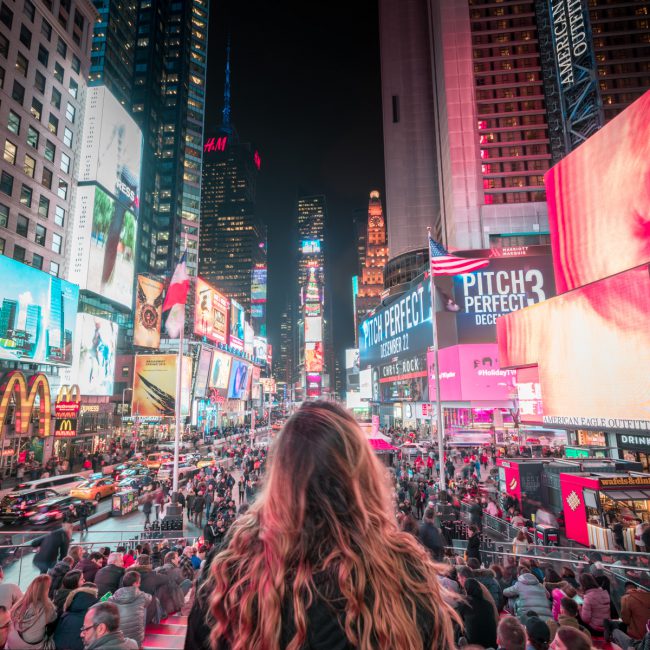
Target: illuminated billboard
(314, 357)
(258, 284)
(202, 372)
(313, 329)
(310, 246)
(314, 384)
(154, 385)
(37, 315)
(239, 379)
(220, 370)
(237, 325)
(260, 348)
(352, 359)
(148, 312)
(249, 337)
(94, 356)
(210, 313)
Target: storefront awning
(378, 444)
(629, 495)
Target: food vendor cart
(124, 502)
(591, 500)
(521, 478)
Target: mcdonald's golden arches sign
(66, 411)
(24, 392)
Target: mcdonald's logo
(65, 428)
(24, 393)
(69, 394)
(65, 425)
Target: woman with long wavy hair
(318, 561)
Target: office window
(57, 241)
(56, 98)
(4, 46)
(37, 109)
(22, 225)
(50, 150)
(2, 77)
(59, 215)
(25, 36)
(37, 261)
(67, 137)
(62, 189)
(10, 152)
(73, 87)
(76, 64)
(70, 112)
(6, 183)
(22, 64)
(43, 56)
(61, 47)
(40, 234)
(39, 82)
(32, 137)
(19, 253)
(54, 269)
(46, 29)
(2, 246)
(53, 124)
(13, 123)
(4, 215)
(58, 72)
(18, 92)
(30, 166)
(26, 195)
(6, 15)
(65, 163)
(43, 206)
(46, 179)
(29, 10)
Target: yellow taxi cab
(154, 461)
(95, 489)
(207, 461)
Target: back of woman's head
(550, 575)
(587, 582)
(473, 589)
(325, 509)
(71, 580)
(35, 596)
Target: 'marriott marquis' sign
(570, 34)
(401, 329)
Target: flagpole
(179, 391)
(434, 332)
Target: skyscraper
(311, 215)
(283, 366)
(371, 277)
(233, 237)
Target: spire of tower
(225, 119)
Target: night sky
(305, 83)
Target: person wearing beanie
(538, 634)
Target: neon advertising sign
(215, 144)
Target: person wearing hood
(635, 610)
(108, 578)
(478, 616)
(30, 617)
(58, 571)
(488, 579)
(596, 606)
(71, 581)
(529, 595)
(132, 604)
(68, 630)
(101, 629)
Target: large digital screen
(365, 384)
(237, 325)
(310, 246)
(402, 380)
(239, 379)
(94, 357)
(148, 312)
(154, 385)
(352, 359)
(314, 384)
(202, 372)
(599, 201)
(313, 329)
(401, 329)
(210, 313)
(37, 315)
(260, 348)
(249, 337)
(258, 284)
(220, 370)
(592, 349)
(508, 283)
(314, 357)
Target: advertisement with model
(220, 372)
(37, 315)
(239, 379)
(237, 325)
(148, 312)
(154, 385)
(210, 313)
(94, 356)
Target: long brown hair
(36, 596)
(325, 513)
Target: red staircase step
(164, 628)
(163, 642)
(176, 619)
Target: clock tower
(371, 281)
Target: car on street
(59, 509)
(412, 449)
(17, 507)
(207, 461)
(138, 483)
(97, 489)
(131, 472)
(154, 461)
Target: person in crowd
(146, 509)
(473, 543)
(153, 583)
(292, 558)
(520, 543)
(108, 578)
(557, 590)
(478, 615)
(52, 547)
(101, 629)
(10, 593)
(635, 611)
(57, 572)
(511, 634)
(537, 634)
(76, 552)
(518, 520)
(67, 635)
(129, 558)
(172, 597)
(186, 565)
(595, 608)
(568, 575)
(625, 641)
(83, 510)
(431, 536)
(72, 581)
(197, 509)
(568, 638)
(5, 624)
(488, 579)
(132, 604)
(568, 617)
(529, 594)
(30, 617)
(90, 565)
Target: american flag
(442, 263)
